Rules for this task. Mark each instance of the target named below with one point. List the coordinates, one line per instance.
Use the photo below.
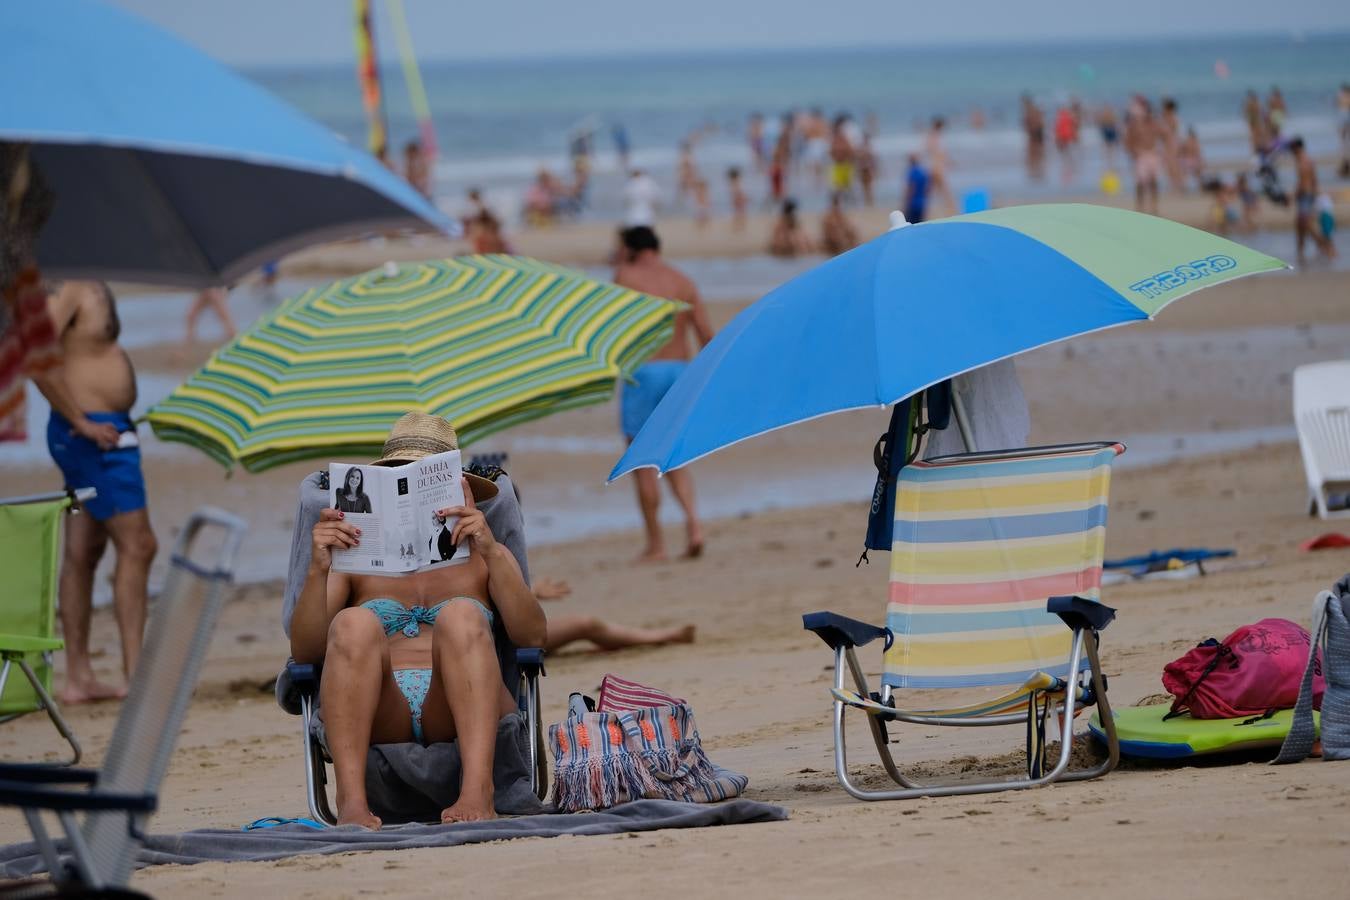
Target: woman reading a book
(412, 657)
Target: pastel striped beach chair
(993, 555)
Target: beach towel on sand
(23, 860)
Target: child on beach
(1224, 213)
(739, 201)
(788, 238)
(1249, 200)
(837, 234)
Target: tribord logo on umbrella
(1171, 279)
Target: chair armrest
(24, 796)
(841, 631)
(530, 660)
(294, 682)
(1081, 613)
(22, 643)
(46, 773)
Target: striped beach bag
(624, 752)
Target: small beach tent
(993, 555)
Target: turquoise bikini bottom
(395, 617)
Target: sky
(271, 32)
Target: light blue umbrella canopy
(924, 303)
(167, 166)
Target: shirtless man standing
(99, 451)
(1142, 136)
(642, 269)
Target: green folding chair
(30, 547)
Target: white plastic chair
(1322, 416)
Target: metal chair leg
(1104, 713)
(316, 777)
(53, 712)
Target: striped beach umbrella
(485, 341)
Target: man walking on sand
(99, 451)
(642, 269)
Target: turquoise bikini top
(394, 616)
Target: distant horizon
(390, 60)
(251, 33)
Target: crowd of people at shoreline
(833, 162)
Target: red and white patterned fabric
(620, 695)
(29, 345)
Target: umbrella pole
(962, 420)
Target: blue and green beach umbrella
(485, 341)
(924, 303)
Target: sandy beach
(591, 243)
(1202, 396)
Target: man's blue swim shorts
(115, 474)
(650, 383)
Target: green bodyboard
(1143, 732)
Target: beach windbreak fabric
(922, 304)
(980, 545)
(484, 341)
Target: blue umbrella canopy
(167, 166)
(924, 303)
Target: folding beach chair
(100, 850)
(298, 684)
(1322, 416)
(993, 555)
(30, 547)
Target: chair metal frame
(1084, 644)
(101, 848)
(12, 658)
(1084, 617)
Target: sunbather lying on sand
(411, 658)
(564, 630)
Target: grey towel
(23, 860)
(412, 783)
(1330, 631)
(993, 399)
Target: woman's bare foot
(551, 589)
(358, 814)
(683, 635)
(651, 555)
(694, 551)
(475, 807)
(90, 691)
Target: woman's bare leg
(466, 684)
(359, 697)
(564, 630)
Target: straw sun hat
(416, 435)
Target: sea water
(499, 122)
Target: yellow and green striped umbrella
(485, 341)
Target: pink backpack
(1255, 670)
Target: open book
(396, 509)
